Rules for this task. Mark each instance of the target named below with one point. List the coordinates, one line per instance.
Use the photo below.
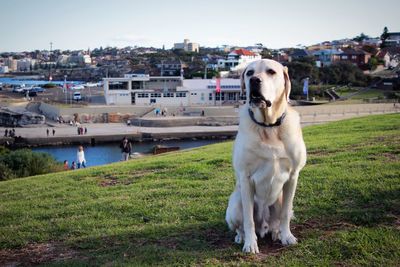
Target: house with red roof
(237, 59)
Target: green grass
(169, 209)
(368, 94)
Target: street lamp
(65, 89)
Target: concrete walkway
(103, 132)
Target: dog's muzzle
(256, 97)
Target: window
(136, 85)
(217, 96)
(142, 95)
(202, 96)
(155, 95)
(353, 57)
(168, 94)
(210, 96)
(180, 94)
(344, 57)
(117, 85)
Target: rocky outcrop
(11, 118)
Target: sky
(81, 24)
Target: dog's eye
(250, 73)
(271, 71)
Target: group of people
(80, 160)
(9, 133)
(48, 132)
(126, 150)
(163, 112)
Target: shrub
(25, 162)
(5, 172)
(49, 85)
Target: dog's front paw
(288, 239)
(251, 247)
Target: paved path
(310, 115)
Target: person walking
(85, 130)
(47, 131)
(6, 133)
(126, 149)
(54, 132)
(80, 157)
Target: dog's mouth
(258, 101)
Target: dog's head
(267, 87)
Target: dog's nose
(255, 86)
(268, 103)
(255, 81)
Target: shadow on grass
(199, 244)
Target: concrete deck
(113, 132)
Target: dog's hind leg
(234, 215)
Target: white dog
(269, 153)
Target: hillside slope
(169, 209)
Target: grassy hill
(169, 209)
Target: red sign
(218, 86)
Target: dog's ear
(242, 82)
(288, 85)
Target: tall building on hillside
(11, 63)
(187, 46)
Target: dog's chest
(270, 144)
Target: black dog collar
(277, 123)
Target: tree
(360, 37)
(384, 36)
(266, 53)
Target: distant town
(194, 61)
(187, 76)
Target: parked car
(77, 96)
(78, 87)
(25, 89)
(18, 89)
(38, 89)
(32, 93)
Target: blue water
(28, 82)
(107, 153)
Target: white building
(25, 64)
(169, 91)
(238, 59)
(187, 46)
(144, 90)
(203, 91)
(11, 64)
(3, 69)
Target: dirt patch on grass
(112, 181)
(391, 157)
(34, 254)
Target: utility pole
(51, 47)
(65, 89)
